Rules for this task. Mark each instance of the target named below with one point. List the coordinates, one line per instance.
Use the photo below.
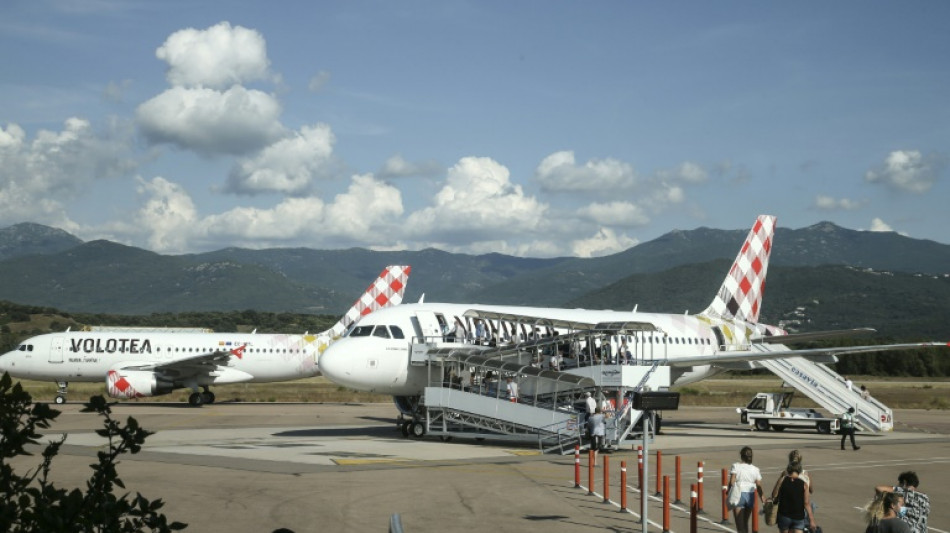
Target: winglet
(740, 295)
(387, 290)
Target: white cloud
(288, 166)
(236, 121)
(398, 167)
(615, 214)
(687, 172)
(908, 171)
(478, 202)
(606, 241)
(217, 57)
(169, 220)
(38, 177)
(115, 91)
(879, 225)
(559, 172)
(168, 216)
(318, 81)
(368, 211)
(828, 203)
(610, 178)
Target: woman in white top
(748, 481)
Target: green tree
(30, 502)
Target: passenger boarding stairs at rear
(550, 406)
(827, 389)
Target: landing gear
(196, 399)
(207, 396)
(404, 428)
(61, 392)
(418, 429)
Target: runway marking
(524, 452)
(655, 499)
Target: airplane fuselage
(378, 360)
(80, 356)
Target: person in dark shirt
(916, 503)
(794, 502)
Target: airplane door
(429, 326)
(56, 351)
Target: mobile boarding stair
(827, 389)
(550, 408)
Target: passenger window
(397, 332)
(381, 331)
(361, 331)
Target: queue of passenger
(550, 352)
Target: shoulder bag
(771, 512)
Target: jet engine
(136, 384)
(407, 405)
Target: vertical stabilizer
(740, 296)
(387, 290)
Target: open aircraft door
(428, 326)
(56, 351)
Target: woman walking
(747, 479)
(794, 501)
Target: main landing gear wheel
(196, 399)
(207, 397)
(418, 429)
(404, 428)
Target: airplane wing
(186, 366)
(791, 338)
(762, 354)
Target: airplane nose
(332, 363)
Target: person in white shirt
(512, 388)
(747, 480)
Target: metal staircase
(549, 410)
(827, 389)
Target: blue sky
(535, 128)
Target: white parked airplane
(375, 354)
(152, 361)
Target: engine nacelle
(136, 384)
(406, 404)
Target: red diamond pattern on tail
(740, 295)
(385, 291)
(745, 286)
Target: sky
(531, 128)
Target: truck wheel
(762, 424)
(778, 428)
(824, 427)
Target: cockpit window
(381, 331)
(361, 331)
(397, 333)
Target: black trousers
(845, 433)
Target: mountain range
(886, 275)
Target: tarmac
(345, 467)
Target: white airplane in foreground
(152, 361)
(375, 354)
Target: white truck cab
(771, 410)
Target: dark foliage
(31, 502)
